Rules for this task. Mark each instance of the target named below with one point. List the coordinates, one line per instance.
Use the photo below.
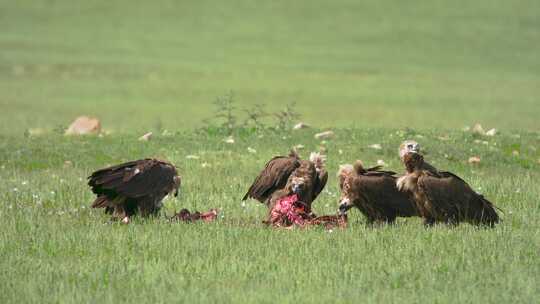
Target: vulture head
(346, 176)
(408, 146)
(298, 184)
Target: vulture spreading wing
(134, 187)
(273, 177)
(445, 197)
(289, 181)
(374, 193)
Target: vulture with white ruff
(135, 187)
(373, 191)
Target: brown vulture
(443, 196)
(135, 187)
(374, 193)
(291, 174)
(411, 146)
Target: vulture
(443, 196)
(290, 174)
(292, 182)
(411, 146)
(374, 193)
(135, 187)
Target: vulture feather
(134, 187)
(443, 196)
(373, 191)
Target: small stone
(515, 153)
(477, 129)
(300, 125)
(299, 147)
(205, 165)
(146, 137)
(229, 140)
(491, 132)
(325, 135)
(381, 162)
(68, 164)
(375, 146)
(192, 157)
(84, 125)
(474, 160)
(251, 150)
(340, 151)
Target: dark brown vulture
(135, 187)
(306, 178)
(374, 193)
(411, 146)
(443, 196)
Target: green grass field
(346, 63)
(376, 72)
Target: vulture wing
(451, 191)
(320, 183)
(146, 177)
(273, 177)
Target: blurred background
(139, 65)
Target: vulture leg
(390, 220)
(429, 221)
(147, 208)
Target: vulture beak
(413, 147)
(296, 188)
(344, 206)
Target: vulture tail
(488, 213)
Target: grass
(345, 63)
(376, 72)
(55, 249)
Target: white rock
(229, 140)
(491, 132)
(375, 146)
(325, 135)
(300, 125)
(381, 162)
(251, 150)
(146, 137)
(192, 157)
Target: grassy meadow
(375, 72)
(346, 63)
